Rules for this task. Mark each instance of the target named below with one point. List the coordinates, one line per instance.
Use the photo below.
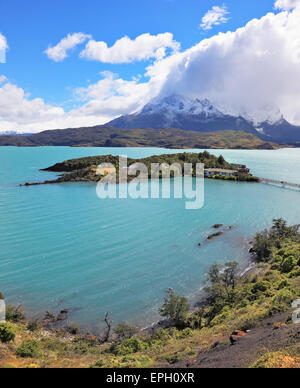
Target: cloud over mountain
(248, 70)
(251, 71)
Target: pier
(279, 183)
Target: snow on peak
(175, 104)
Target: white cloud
(256, 66)
(249, 70)
(3, 48)
(59, 52)
(16, 107)
(214, 17)
(113, 96)
(2, 79)
(286, 5)
(125, 50)
(103, 101)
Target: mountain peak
(175, 111)
(175, 105)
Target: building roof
(219, 170)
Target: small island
(86, 169)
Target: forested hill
(103, 136)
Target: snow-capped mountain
(202, 116)
(175, 104)
(13, 133)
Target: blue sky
(31, 26)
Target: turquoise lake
(63, 247)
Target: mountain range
(172, 122)
(199, 115)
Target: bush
(15, 314)
(33, 325)
(288, 264)
(260, 286)
(130, 346)
(85, 345)
(185, 333)
(53, 345)
(74, 330)
(29, 349)
(283, 284)
(281, 301)
(163, 335)
(7, 332)
(125, 331)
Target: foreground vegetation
(232, 303)
(104, 136)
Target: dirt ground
(264, 338)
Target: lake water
(63, 247)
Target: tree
(214, 274)
(263, 245)
(230, 274)
(174, 307)
(108, 323)
(280, 229)
(220, 292)
(221, 160)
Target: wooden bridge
(279, 183)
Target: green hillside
(103, 136)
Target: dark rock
(217, 226)
(63, 315)
(214, 235)
(49, 316)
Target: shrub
(162, 335)
(15, 314)
(7, 332)
(125, 331)
(281, 301)
(130, 346)
(288, 264)
(283, 284)
(53, 345)
(33, 325)
(85, 345)
(260, 286)
(131, 361)
(74, 330)
(185, 333)
(29, 349)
